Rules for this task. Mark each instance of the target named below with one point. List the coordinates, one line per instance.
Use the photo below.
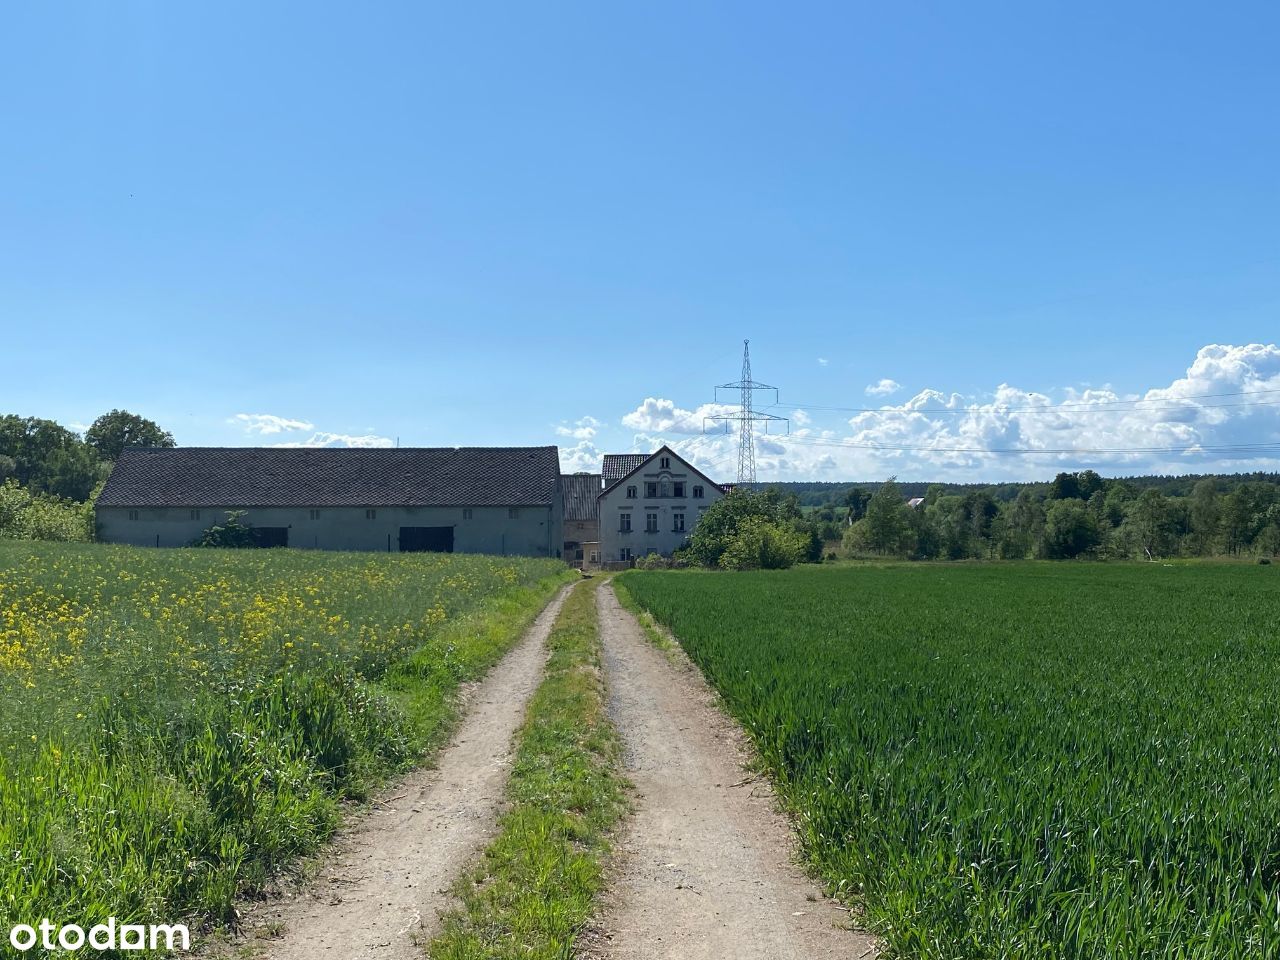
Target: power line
(1024, 451)
(1173, 403)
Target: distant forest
(814, 494)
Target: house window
(651, 489)
(678, 488)
(133, 514)
(624, 554)
(650, 523)
(513, 513)
(697, 491)
(624, 523)
(371, 514)
(595, 556)
(315, 514)
(677, 523)
(466, 513)
(631, 493)
(666, 463)
(195, 514)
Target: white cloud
(935, 435)
(584, 429)
(823, 361)
(323, 439)
(584, 457)
(663, 416)
(883, 388)
(268, 423)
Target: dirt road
(705, 863)
(384, 883)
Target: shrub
(25, 515)
(232, 532)
(760, 545)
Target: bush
(25, 515)
(233, 532)
(760, 545)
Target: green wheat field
(1025, 760)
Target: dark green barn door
(433, 539)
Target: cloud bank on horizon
(1222, 416)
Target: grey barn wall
(535, 532)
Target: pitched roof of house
(333, 477)
(580, 492)
(615, 466)
(640, 459)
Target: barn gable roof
(615, 466)
(580, 492)
(333, 477)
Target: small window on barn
(697, 491)
(631, 493)
(195, 514)
(666, 463)
(133, 514)
(315, 514)
(371, 514)
(513, 513)
(466, 513)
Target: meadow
(1015, 760)
(177, 724)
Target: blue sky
(517, 224)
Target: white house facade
(651, 504)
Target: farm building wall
(533, 532)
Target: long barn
(499, 500)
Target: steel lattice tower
(747, 416)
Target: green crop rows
(1016, 760)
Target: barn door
(424, 539)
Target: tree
(887, 520)
(1069, 530)
(47, 457)
(719, 525)
(114, 431)
(1147, 525)
(856, 500)
(1205, 516)
(1020, 528)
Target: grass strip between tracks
(534, 887)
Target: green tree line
(49, 474)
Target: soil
(705, 865)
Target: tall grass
(174, 725)
(1019, 760)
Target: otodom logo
(109, 935)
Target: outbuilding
(497, 500)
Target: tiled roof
(615, 466)
(580, 493)
(333, 477)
